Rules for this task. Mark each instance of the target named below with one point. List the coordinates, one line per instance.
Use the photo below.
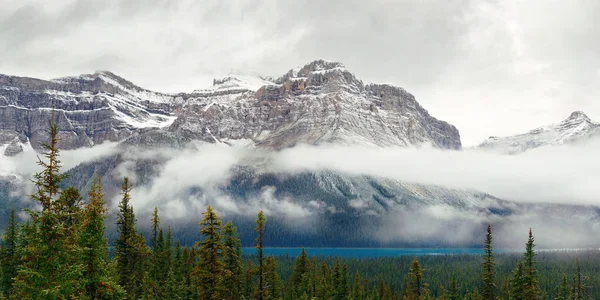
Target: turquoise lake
(365, 252)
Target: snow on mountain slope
(89, 108)
(577, 127)
(319, 103)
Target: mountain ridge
(578, 127)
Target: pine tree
(488, 272)
(518, 283)
(299, 278)
(272, 282)
(453, 290)
(442, 293)
(94, 248)
(324, 284)
(357, 289)
(156, 246)
(9, 257)
(563, 292)
(48, 269)
(130, 248)
(578, 287)
(248, 280)
(418, 287)
(232, 254)
(532, 290)
(210, 269)
(340, 287)
(259, 293)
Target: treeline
(61, 252)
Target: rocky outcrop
(89, 109)
(321, 102)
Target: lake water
(366, 252)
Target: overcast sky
(488, 67)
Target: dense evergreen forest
(61, 252)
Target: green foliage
(9, 257)
(488, 268)
(260, 292)
(210, 270)
(130, 248)
(232, 255)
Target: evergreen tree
(357, 289)
(156, 244)
(418, 288)
(299, 278)
(94, 248)
(232, 253)
(324, 282)
(517, 283)
(9, 257)
(563, 292)
(259, 294)
(339, 278)
(532, 290)
(248, 280)
(130, 248)
(453, 290)
(48, 269)
(578, 287)
(488, 272)
(210, 269)
(272, 282)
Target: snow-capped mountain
(89, 109)
(321, 102)
(577, 127)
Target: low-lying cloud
(189, 179)
(565, 174)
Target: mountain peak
(578, 115)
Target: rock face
(321, 102)
(89, 109)
(577, 127)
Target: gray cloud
(490, 67)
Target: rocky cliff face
(576, 128)
(89, 109)
(321, 102)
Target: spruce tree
(324, 286)
(259, 293)
(272, 282)
(563, 292)
(488, 272)
(9, 256)
(94, 248)
(357, 289)
(518, 283)
(130, 248)
(210, 269)
(417, 284)
(532, 290)
(156, 246)
(453, 290)
(299, 278)
(232, 253)
(578, 288)
(48, 268)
